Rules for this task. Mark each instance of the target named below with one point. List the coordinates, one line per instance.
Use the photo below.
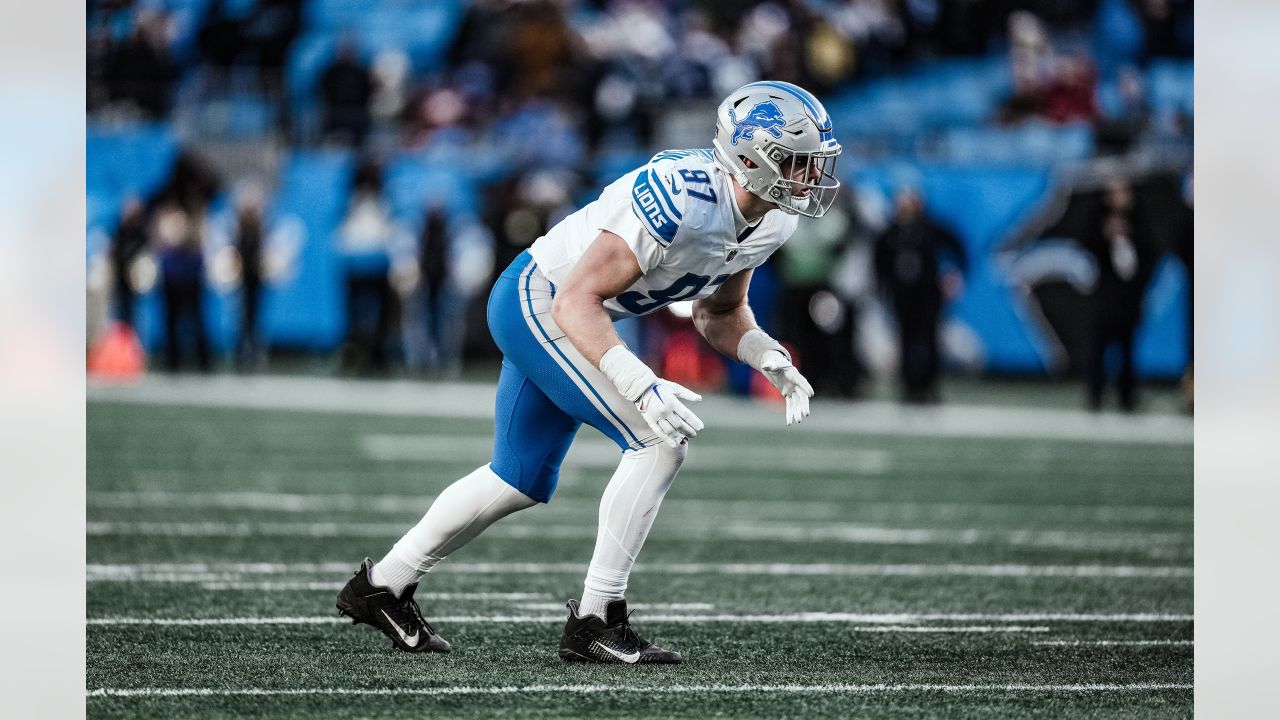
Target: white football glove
(768, 356)
(657, 400)
(784, 376)
(661, 407)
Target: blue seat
(306, 310)
(134, 160)
(1171, 85)
(412, 182)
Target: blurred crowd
(560, 85)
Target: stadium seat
(130, 160)
(305, 311)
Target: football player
(689, 225)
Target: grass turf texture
(183, 485)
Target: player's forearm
(586, 323)
(724, 329)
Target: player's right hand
(662, 408)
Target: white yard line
(335, 586)
(834, 689)
(734, 530)
(231, 572)
(406, 504)
(1109, 643)
(475, 400)
(880, 619)
(976, 629)
(251, 500)
(630, 606)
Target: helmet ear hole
(748, 162)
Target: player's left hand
(784, 376)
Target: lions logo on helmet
(791, 164)
(764, 116)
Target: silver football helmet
(785, 134)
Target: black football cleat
(612, 640)
(399, 618)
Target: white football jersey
(679, 217)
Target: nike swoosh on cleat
(629, 658)
(410, 640)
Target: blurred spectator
(177, 235)
(431, 111)
(909, 260)
(877, 33)
(538, 49)
(818, 321)
(1058, 89)
(525, 206)
(347, 88)
(1166, 27)
(249, 250)
(1030, 52)
(390, 73)
(436, 304)
(127, 245)
(192, 184)
(1124, 265)
(479, 34)
(1117, 132)
(364, 239)
(1071, 96)
(257, 36)
(268, 32)
(220, 42)
(98, 51)
(140, 71)
(699, 50)
(433, 259)
(964, 27)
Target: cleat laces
(408, 615)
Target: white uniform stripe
(574, 365)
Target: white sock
(627, 511)
(458, 514)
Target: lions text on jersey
(678, 215)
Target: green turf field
(852, 572)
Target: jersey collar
(740, 224)
(741, 229)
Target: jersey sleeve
(654, 203)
